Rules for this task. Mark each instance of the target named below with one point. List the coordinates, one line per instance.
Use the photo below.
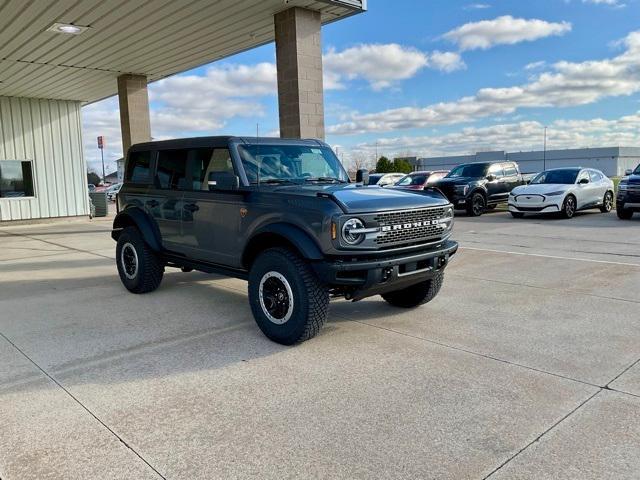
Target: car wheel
(624, 213)
(288, 301)
(476, 205)
(517, 214)
(139, 267)
(417, 294)
(569, 207)
(607, 202)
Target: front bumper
(628, 201)
(535, 203)
(365, 278)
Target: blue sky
(429, 78)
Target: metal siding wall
(47, 132)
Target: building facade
(612, 161)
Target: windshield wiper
(274, 181)
(324, 179)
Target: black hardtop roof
(193, 142)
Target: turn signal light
(334, 231)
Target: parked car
(478, 186)
(384, 179)
(283, 215)
(563, 190)
(628, 198)
(112, 191)
(419, 180)
(91, 187)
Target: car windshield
(269, 163)
(470, 170)
(412, 180)
(374, 178)
(563, 177)
(637, 170)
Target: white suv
(563, 190)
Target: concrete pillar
(134, 110)
(299, 61)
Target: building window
(16, 179)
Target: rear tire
(607, 202)
(417, 294)
(569, 207)
(517, 214)
(139, 267)
(288, 301)
(476, 205)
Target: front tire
(624, 213)
(607, 202)
(139, 267)
(476, 205)
(417, 294)
(288, 301)
(569, 207)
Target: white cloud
(477, 6)
(568, 84)
(446, 61)
(380, 65)
(505, 30)
(535, 65)
(610, 3)
(516, 137)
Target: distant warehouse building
(612, 161)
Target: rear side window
(138, 167)
(595, 176)
(496, 170)
(172, 169)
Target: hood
(358, 199)
(634, 179)
(540, 189)
(455, 181)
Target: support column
(299, 63)
(134, 110)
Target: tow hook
(386, 274)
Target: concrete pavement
(525, 366)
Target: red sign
(100, 142)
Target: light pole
(544, 155)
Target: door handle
(191, 207)
(152, 203)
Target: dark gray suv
(283, 215)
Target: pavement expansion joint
(83, 406)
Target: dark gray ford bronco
(283, 215)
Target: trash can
(99, 199)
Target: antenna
(257, 154)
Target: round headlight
(348, 227)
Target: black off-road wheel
(288, 301)
(624, 213)
(139, 267)
(417, 294)
(517, 214)
(569, 207)
(476, 205)
(607, 202)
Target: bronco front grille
(412, 233)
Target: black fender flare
(294, 235)
(479, 189)
(134, 216)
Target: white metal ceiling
(156, 38)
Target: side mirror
(491, 177)
(628, 171)
(223, 181)
(583, 181)
(362, 176)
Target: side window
(583, 174)
(496, 170)
(595, 176)
(204, 161)
(138, 167)
(510, 170)
(172, 169)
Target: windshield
(375, 178)
(412, 180)
(471, 170)
(637, 170)
(564, 177)
(290, 163)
